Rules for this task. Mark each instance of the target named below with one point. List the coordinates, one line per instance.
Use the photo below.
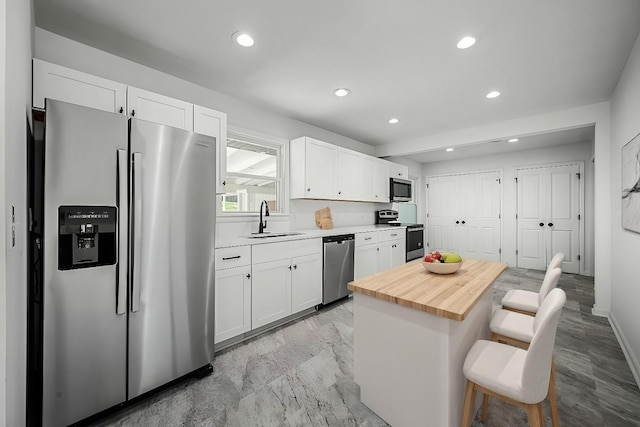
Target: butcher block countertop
(446, 295)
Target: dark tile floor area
(302, 375)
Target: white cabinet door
(369, 179)
(161, 109)
(64, 84)
(233, 302)
(320, 164)
(366, 260)
(214, 123)
(306, 282)
(270, 292)
(384, 255)
(349, 169)
(398, 252)
(381, 182)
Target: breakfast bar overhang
(412, 332)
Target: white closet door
(548, 208)
(479, 228)
(562, 225)
(443, 210)
(531, 218)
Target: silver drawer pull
(227, 258)
(394, 234)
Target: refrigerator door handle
(123, 238)
(137, 231)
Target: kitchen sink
(268, 234)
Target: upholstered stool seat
(528, 302)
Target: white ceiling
(533, 142)
(398, 57)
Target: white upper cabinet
(214, 123)
(349, 185)
(313, 169)
(64, 84)
(161, 109)
(320, 170)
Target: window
(254, 173)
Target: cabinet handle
(457, 222)
(399, 173)
(121, 110)
(231, 257)
(368, 238)
(463, 222)
(339, 192)
(295, 267)
(394, 235)
(393, 246)
(541, 224)
(308, 189)
(248, 276)
(289, 267)
(224, 182)
(378, 249)
(133, 113)
(550, 224)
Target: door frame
(500, 171)
(581, 206)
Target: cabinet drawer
(394, 234)
(366, 238)
(233, 257)
(283, 250)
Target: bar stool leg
(485, 407)
(553, 403)
(469, 399)
(535, 419)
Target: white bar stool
(517, 376)
(518, 329)
(527, 302)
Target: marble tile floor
(302, 375)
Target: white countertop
(305, 234)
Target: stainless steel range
(415, 232)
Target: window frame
(282, 147)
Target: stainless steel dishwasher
(337, 267)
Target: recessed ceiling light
(449, 149)
(243, 39)
(466, 42)
(342, 92)
(393, 121)
(493, 94)
(514, 140)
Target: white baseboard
(599, 312)
(632, 360)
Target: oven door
(415, 242)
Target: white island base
(408, 363)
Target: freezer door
(172, 295)
(84, 336)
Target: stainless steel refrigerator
(126, 289)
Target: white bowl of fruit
(441, 263)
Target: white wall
(17, 109)
(508, 163)
(625, 285)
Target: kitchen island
(412, 332)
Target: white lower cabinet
(233, 302)
(306, 282)
(271, 292)
(287, 278)
(232, 292)
(378, 251)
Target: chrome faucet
(266, 213)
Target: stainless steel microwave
(399, 190)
